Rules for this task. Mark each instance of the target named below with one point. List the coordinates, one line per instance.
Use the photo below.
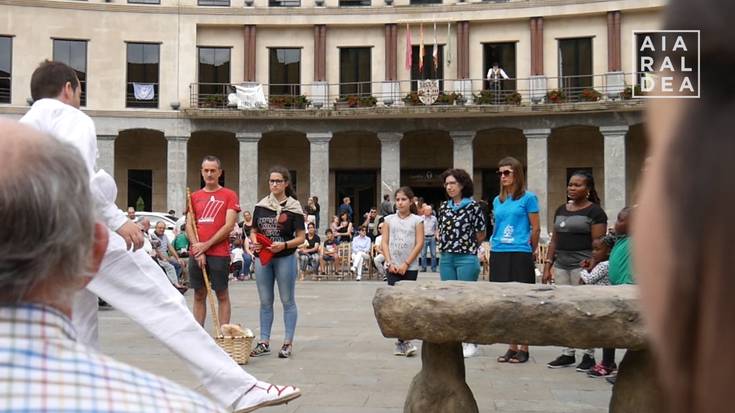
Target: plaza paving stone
(343, 363)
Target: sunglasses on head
(506, 172)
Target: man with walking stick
(215, 209)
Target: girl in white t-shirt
(403, 238)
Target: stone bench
(445, 314)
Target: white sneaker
(400, 349)
(410, 349)
(469, 349)
(264, 394)
(358, 278)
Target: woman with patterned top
(461, 230)
(577, 223)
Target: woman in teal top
(515, 237)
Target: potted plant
(288, 102)
(627, 93)
(412, 99)
(485, 97)
(555, 96)
(590, 95)
(354, 101)
(513, 98)
(447, 98)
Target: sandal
(507, 356)
(520, 357)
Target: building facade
(340, 79)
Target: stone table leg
(440, 386)
(636, 388)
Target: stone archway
(489, 147)
(140, 169)
(289, 149)
(571, 148)
(425, 154)
(354, 164)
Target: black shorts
(218, 270)
(512, 266)
(410, 275)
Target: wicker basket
(236, 347)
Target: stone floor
(343, 363)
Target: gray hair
(46, 205)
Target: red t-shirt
(210, 211)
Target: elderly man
(431, 236)
(129, 280)
(166, 255)
(53, 252)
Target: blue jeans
(429, 245)
(282, 271)
(462, 267)
(247, 260)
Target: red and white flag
(409, 48)
(421, 47)
(435, 51)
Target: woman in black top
(279, 217)
(343, 231)
(576, 224)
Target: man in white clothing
(128, 279)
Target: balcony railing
(509, 92)
(142, 100)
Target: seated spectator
(328, 251)
(42, 365)
(343, 230)
(181, 243)
(247, 260)
(379, 258)
(236, 259)
(371, 221)
(309, 251)
(360, 252)
(166, 256)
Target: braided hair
(589, 181)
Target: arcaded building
(342, 82)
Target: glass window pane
(143, 68)
(6, 55)
(285, 72)
(355, 70)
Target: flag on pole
(449, 44)
(409, 48)
(435, 51)
(421, 47)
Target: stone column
(537, 155)
(176, 157)
(106, 149)
(463, 150)
(248, 169)
(319, 173)
(390, 163)
(614, 201)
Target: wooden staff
(190, 218)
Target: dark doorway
(490, 185)
(140, 189)
(361, 187)
(426, 184)
(430, 70)
(221, 179)
(575, 66)
(504, 54)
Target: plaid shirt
(44, 369)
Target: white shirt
(496, 75)
(71, 125)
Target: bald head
(46, 203)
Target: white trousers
(357, 258)
(135, 285)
